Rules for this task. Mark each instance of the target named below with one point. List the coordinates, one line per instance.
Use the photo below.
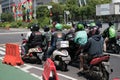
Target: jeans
(50, 51)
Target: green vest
(112, 32)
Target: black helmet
(110, 24)
(95, 31)
(46, 28)
(35, 27)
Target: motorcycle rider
(80, 39)
(47, 34)
(57, 35)
(92, 29)
(94, 46)
(25, 47)
(109, 35)
(35, 38)
(53, 24)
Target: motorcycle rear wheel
(105, 75)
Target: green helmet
(80, 26)
(58, 26)
(92, 24)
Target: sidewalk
(8, 72)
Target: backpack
(81, 37)
(48, 36)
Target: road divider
(49, 68)
(12, 55)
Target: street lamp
(49, 8)
(34, 9)
(0, 11)
(9, 6)
(66, 17)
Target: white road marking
(115, 55)
(12, 33)
(39, 77)
(1, 58)
(65, 76)
(27, 66)
(2, 53)
(1, 48)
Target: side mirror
(21, 34)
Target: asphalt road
(13, 36)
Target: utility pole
(49, 8)
(9, 6)
(34, 9)
(0, 11)
(80, 3)
(85, 2)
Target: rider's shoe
(81, 70)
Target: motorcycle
(72, 46)
(96, 68)
(118, 45)
(61, 56)
(34, 54)
(114, 47)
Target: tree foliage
(73, 7)
(42, 15)
(57, 11)
(42, 11)
(8, 17)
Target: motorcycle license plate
(118, 42)
(66, 58)
(35, 50)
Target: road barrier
(49, 67)
(12, 55)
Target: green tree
(57, 11)
(8, 17)
(43, 15)
(73, 7)
(42, 11)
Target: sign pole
(0, 11)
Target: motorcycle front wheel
(63, 66)
(117, 49)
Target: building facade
(7, 4)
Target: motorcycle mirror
(111, 70)
(21, 34)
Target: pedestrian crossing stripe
(2, 50)
(2, 53)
